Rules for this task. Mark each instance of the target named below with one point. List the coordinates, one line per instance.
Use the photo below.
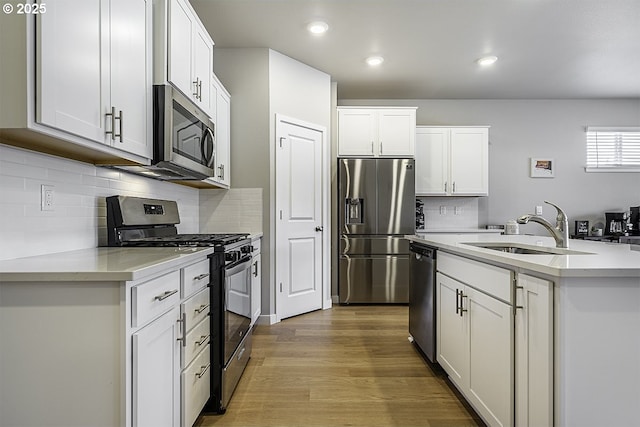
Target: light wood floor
(347, 366)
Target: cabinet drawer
(196, 308)
(490, 279)
(195, 277)
(195, 387)
(197, 339)
(154, 297)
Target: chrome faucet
(560, 232)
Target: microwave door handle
(209, 159)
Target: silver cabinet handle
(202, 308)
(445, 186)
(255, 269)
(201, 276)
(381, 148)
(165, 295)
(195, 83)
(113, 116)
(183, 320)
(203, 339)
(200, 90)
(453, 187)
(121, 118)
(372, 152)
(462, 309)
(112, 132)
(319, 228)
(203, 370)
(458, 301)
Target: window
(613, 149)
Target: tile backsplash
(236, 210)
(78, 218)
(441, 213)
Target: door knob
(319, 228)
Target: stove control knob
(247, 249)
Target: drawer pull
(202, 276)
(165, 295)
(203, 339)
(183, 321)
(203, 370)
(202, 308)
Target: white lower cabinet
(156, 372)
(475, 336)
(534, 352)
(256, 281)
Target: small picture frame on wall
(542, 168)
(581, 228)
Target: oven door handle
(246, 264)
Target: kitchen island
(97, 336)
(555, 335)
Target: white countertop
(459, 230)
(603, 259)
(98, 264)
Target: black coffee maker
(634, 220)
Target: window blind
(613, 149)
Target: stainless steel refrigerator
(376, 203)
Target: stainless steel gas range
(141, 222)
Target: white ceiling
(546, 48)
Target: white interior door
(299, 251)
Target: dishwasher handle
(425, 251)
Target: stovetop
(188, 240)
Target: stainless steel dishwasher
(422, 298)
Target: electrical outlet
(457, 210)
(538, 210)
(46, 197)
(443, 210)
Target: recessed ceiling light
(487, 60)
(318, 27)
(374, 61)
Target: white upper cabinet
(189, 62)
(87, 90)
(452, 161)
(221, 116)
(376, 131)
(94, 79)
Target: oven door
(237, 304)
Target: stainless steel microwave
(184, 139)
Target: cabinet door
(130, 77)
(202, 68)
(180, 47)
(469, 161)
(451, 339)
(357, 132)
(73, 67)
(156, 372)
(223, 137)
(534, 352)
(396, 132)
(256, 288)
(432, 159)
(490, 357)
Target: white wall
(521, 129)
(263, 83)
(79, 219)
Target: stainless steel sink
(518, 248)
